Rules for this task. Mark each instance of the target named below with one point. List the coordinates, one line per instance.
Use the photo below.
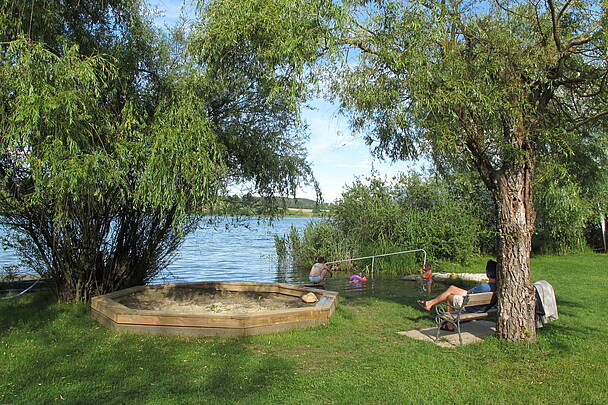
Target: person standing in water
(319, 271)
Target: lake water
(227, 250)
(246, 252)
(223, 251)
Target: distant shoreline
(304, 213)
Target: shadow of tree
(54, 349)
(567, 339)
(569, 304)
(28, 312)
(134, 369)
(241, 375)
(580, 332)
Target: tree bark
(516, 215)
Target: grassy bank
(51, 352)
(303, 213)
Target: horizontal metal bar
(382, 255)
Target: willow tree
(110, 142)
(491, 85)
(497, 85)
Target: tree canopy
(494, 85)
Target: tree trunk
(513, 199)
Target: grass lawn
(51, 352)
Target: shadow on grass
(222, 372)
(582, 332)
(110, 368)
(568, 339)
(58, 351)
(571, 304)
(31, 311)
(572, 308)
(239, 375)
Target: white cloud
(355, 166)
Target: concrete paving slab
(472, 332)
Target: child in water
(427, 278)
(357, 278)
(318, 271)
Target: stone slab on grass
(472, 332)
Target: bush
(319, 238)
(377, 218)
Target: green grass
(50, 351)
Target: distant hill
(281, 202)
(304, 203)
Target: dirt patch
(198, 300)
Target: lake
(228, 250)
(223, 251)
(246, 252)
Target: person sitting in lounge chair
(454, 295)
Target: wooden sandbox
(127, 310)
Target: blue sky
(336, 154)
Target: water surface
(229, 251)
(245, 252)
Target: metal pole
(373, 258)
(382, 255)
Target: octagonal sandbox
(213, 308)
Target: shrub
(377, 218)
(319, 238)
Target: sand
(218, 302)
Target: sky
(337, 156)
